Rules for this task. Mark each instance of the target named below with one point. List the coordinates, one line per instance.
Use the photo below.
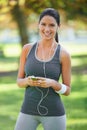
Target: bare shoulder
(64, 54)
(26, 48)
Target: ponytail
(56, 37)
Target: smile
(47, 34)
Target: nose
(47, 28)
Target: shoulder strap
(33, 46)
(58, 51)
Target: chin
(47, 38)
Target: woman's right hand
(33, 81)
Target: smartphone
(34, 78)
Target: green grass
(76, 49)
(76, 104)
(11, 96)
(10, 50)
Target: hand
(39, 81)
(31, 81)
(44, 82)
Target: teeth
(47, 34)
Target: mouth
(47, 34)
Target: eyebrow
(50, 23)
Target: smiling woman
(44, 60)
(48, 27)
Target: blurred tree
(20, 9)
(76, 9)
(20, 18)
(72, 8)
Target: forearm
(22, 82)
(55, 85)
(58, 86)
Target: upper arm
(66, 67)
(25, 50)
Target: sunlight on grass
(77, 124)
(72, 48)
(82, 77)
(40, 127)
(74, 121)
(75, 49)
(81, 61)
(8, 66)
(76, 62)
(76, 95)
(12, 50)
(7, 87)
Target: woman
(41, 65)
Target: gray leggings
(30, 122)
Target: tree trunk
(19, 17)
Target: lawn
(76, 104)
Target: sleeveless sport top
(42, 101)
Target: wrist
(26, 81)
(63, 89)
(22, 82)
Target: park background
(18, 26)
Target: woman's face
(48, 27)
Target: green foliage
(63, 5)
(79, 8)
(72, 8)
(3, 2)
(20, 9)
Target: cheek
(54, 31)
(40, 28)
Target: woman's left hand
(44, 82)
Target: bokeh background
(18, 26)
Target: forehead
(48, 18)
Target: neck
(47, 50)
(47, 43)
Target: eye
(52, 25)
(43, 24)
